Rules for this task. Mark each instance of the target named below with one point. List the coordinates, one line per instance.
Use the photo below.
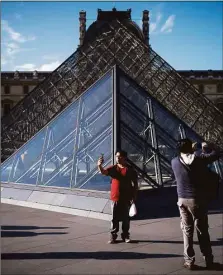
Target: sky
(41, 35)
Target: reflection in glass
(6, 169)
(65, 152)
(56, 164)
(88, 176)
(27, 160)
(58, 152)
(93, 137)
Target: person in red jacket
(124, 186)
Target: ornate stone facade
(15, 85)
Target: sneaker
(127, 240)
(189, 266)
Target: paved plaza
(42, 242)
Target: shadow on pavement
(216, 267)
(162, 203)
(27, 227)
(102, 255)
(13, 234)
(219, 242)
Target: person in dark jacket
(189, 169)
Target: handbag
(132, 210)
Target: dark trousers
(120, 212)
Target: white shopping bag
(132, 210)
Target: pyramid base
(151, 203)
(90, 204)
(59, 209)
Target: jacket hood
(187, 158)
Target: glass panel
(69, 159)
(94, 136)
(135, 119)
(139, 151)
(167, 173)
(98, 119)
(65, 152)
(166, 144)
(88, 176)
(6, 169)
(96, 95)
(135, 98)
(166, 120)
(27, 160)
(56, 160)
(132, 146)
(57, 167)
(59, 147)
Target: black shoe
(112, 241)
(214, 266)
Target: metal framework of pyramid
(113, 113)
(113, 45)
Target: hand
(194, 146)
(209, 146)
(100, 161)
(204, 144)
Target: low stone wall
(77, 202)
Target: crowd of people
(193, 179)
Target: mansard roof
(107, 16)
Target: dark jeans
(120, 212)
(194, 215)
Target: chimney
(82, 20)
(145, 25)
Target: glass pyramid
(113, 113)
(112, 44)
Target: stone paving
(43, 242)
